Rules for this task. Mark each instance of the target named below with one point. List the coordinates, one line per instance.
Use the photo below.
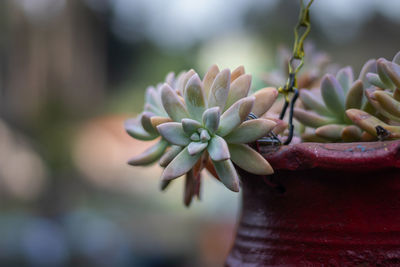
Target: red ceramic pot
(326, 205)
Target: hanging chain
(295, 63)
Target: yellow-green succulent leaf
(239, 88)
(209, 78)
(264, 99)
(219, 90)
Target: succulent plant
(325, 108)
(315, 66)
(384, 99)
(203, 124)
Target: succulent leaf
(249, 160)
(374, 79)
(211, 119)
(331, 132)
(218, 149)
(351, 133)
(194, 98)
(209, 78)
(393, 72)
(396, 58)
(383, 75)
(239, 88)
(172, 104)
(312, 102)
(345, 77)
(387, 102)
(219, 90)
(227, 174)
(355, 95)
(369, 66)
(310, 118)
(169, 155)
(236, 73)
(250, 131)
(135, 129)
(235, 115)
(190, 126)
(173, 133)
(333, 95)
(196, 147)
(365, 121)
(151, 155)
(164, 184)
(146, 122)
(264, 99)
(204, 135)
(180, 165)
(185, 78)
(157, 120)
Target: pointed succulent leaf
(281, 125)
(194, 98)
(236, 73)
(157, 120)
(196, 147)
(218, 149)
(183, 82)
(331, 132)
(235, 115)
(373, 79)
(393, 72)
(151, 155)
(170, 78)
(180, 165)
(264, 99)
(351, 133)
(135, 129)
(311, 119)
(345, 77)
(211, 119)
(169, 155)
(383, 75)
(172, 104)
(164, 184)
(249, 160)
(219, 90)
(151, 97)
(369, 66)
(227, 174)
(396, 58)
(250, 131)
(312, 137)
(190, 126)
(146, 122)
(209, 79)
(396, 94)
(365, 121)
(239, 88)
(195, 137)
(355, 95)
(388, 103)
(173, 133)
(313, 103)
(333, 95)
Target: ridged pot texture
(326, 205)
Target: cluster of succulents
(209, 123)
(204, 124)
(346, 110)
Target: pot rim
(360, 156)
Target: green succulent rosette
(203, 124)
(325, 108)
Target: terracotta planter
(326, 205)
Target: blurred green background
(71, 71)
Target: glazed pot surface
(328, 204)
